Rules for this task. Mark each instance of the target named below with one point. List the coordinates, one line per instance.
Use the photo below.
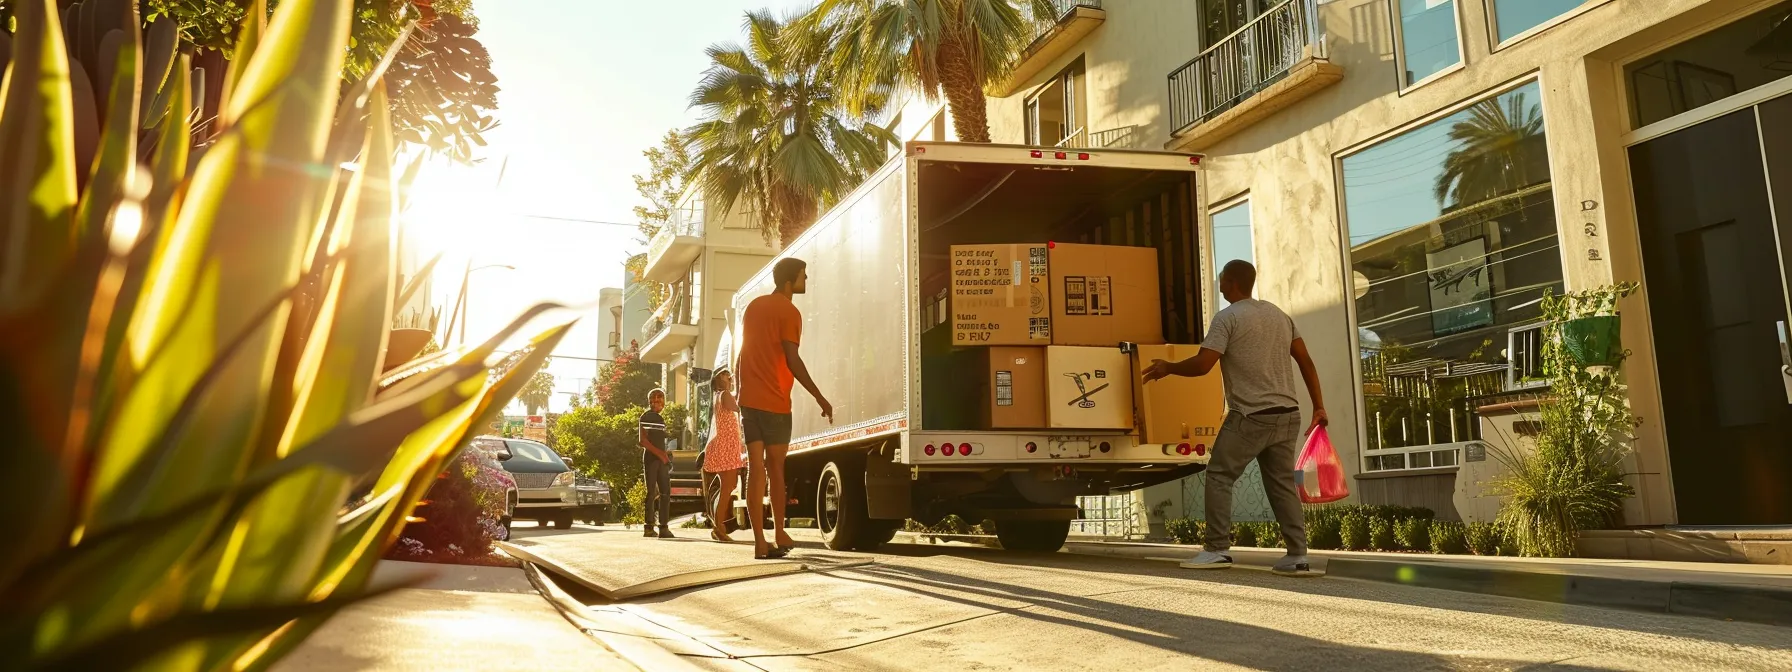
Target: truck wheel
(1032, 535)
(840, 507)
(878, 533)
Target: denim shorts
(772, 429)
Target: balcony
(1274, 61)
(1055, 36)
(671, 330)
(674, 248)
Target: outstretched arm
(800, 371)
(1199, 365)
(1310, 374)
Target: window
(1512, 17)
(532, 453)
(1231, 240)
(1054, 114)
(1428, 40)
(1744, 55)
(1453, 241)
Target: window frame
(1399, 34)
(1347, 280)
(1242, 199)
(1493, 23)
(1073, 112)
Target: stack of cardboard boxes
(1057, 334)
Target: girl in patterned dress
(723, 454)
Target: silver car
(545, 483)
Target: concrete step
(1745, 545)
(619, 564)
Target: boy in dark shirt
(656, 467)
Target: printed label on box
(1090, 295)
(1086, 389)
(1004, 388)
(1039, 328)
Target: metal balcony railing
(676, 310)
(1043, 25)
(1245, 62)
(1077, 139)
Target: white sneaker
(1295, 566)
(1208, 560)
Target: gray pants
(1274, 442)
(659, 492)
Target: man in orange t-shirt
(771, 328)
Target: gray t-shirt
(1254, 339)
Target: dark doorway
(1711, 256)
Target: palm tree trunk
(964, 92)
(800, 217)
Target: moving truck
(912, 435)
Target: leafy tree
(604, 445)
(669, 167)
(1494, 152)
(954, 47)
(623, 383)
(775, 132)
(535, 395)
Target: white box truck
(876, 338)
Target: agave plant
(192, 345)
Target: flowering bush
(463, 513)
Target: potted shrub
(1589, 334)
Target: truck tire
(1032, 535)
(840, 506)
(878, 533)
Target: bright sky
(587, 85)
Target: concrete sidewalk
(461, 617)
(1756, 593)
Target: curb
(637, 651)
(1736, 602)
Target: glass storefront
(1744, 55)
(1453, 242)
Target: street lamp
(461, 303)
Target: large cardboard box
(1001, 295)
(1012, 387)
(1178, 410)
(1104, 295)
(1088, 388)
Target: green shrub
(1413, 534)
(1244, 534)
(1354, 531)
(1269, 535)
(1323, 533)
(1185, 530)
(1381, 534)
(637, 504)
(1448, 538)
(1483, 538)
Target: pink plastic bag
(1320, 472)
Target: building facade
(703, 258)
(1412, 176)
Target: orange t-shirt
(765, 378)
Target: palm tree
(774, 132)
(1493, 154)
(535, 395)
(957, 47)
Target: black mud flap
(1128, 482)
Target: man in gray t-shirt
(1259, 348)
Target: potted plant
(1591, 336)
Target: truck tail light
(1082, 156)
(1201, 449)
(1032, 447)
(964, 449)
(1037, 154)
(1185, 449)
(1105, 447)
(928, 450)
(1060, 155)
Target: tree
(623, 383)
(668, 168)
(535, 395)
(954, 47)
(1494, 152)
(775, 132)
(606, 446)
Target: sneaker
(1208, 560)
(1295, 566)
(647, 532)
(665, 532)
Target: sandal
(774, 554)
(716, 534)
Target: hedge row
(1356, 527)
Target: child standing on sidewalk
(722, 456)
(656, 467)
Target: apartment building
(703, 257)
(609, 324)
(1411, 177)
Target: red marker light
(1051, 245)
(928, 450)
(1185, 449)
(1032, 447)
(1082, 156)
(1037, 154)
(1060, 155)
(1194, 160)
(1200, 449)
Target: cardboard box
(1104, 295)
(1012, 388)
(1178, 410)
(1088, 388)
(1001, 295)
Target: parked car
(544, 481)
(594, 500)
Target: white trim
(1400, 48)
(1212, 278)
(1458, 106)
(1773, 215)
(1696, 116)
(1493, 22)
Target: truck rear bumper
(973, 449)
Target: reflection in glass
(1428, 39)
(1516, 16)
(1453, 226)
(1231, 240)
(1744, 55)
